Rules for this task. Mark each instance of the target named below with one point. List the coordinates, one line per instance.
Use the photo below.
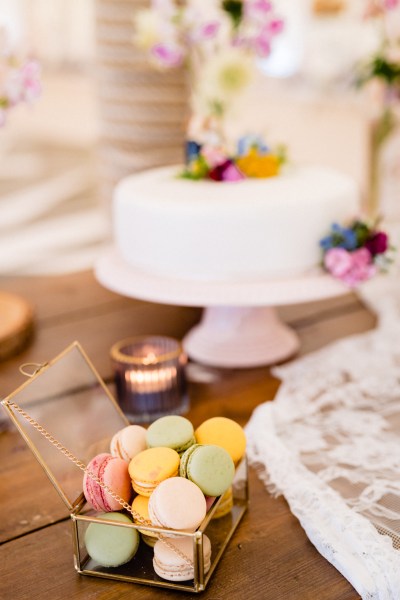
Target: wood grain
(16, 324)
(270, 556)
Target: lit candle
(149, 377)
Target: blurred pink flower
(168, 55)
(213, 155)
(206, 31)
(350, 267)
(275, 26)
(338, 262)
(390, 4)
(253, 8)
(30, 81)
(232, 173)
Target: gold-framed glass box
(67, 415)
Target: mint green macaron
(172, 431)
(110, 545)
(208, 466)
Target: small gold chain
(136, 516)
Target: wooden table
(269, 557)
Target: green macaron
(208, 466)
(110, 545)
(172, 431)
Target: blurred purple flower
(378, 244)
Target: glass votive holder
(149, 376)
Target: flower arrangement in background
(19, 78)
(355, 253)
(217, 42)
(380, 75)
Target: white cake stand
(240, 326)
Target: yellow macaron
(225, 504)
(140, 505)
(223, 432)
(150, 467)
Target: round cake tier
(244, 231)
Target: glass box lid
(66, 415)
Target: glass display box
(67, 415)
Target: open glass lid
(68, 412)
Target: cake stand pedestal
(240, 326)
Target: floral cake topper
(356, 253)
(217, 42)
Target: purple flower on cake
(356, 253)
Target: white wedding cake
(241, 231)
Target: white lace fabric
(330, 443)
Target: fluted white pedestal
(240, 326)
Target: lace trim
(330, 443)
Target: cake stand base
(240, 327)
(237, 337)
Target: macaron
(110, 545)
(225, 505)
(140, 505)
(210, 467)
(150, 467)
(169, 564)
(177, 503)
(113, 472)
(172, 431)
(223, 432)
(128, 442)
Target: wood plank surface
(269, 557)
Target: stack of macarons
(173, 474)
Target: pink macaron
(128, 442)
(113, 472)
(177, 503)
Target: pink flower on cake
(350, 267)
(213, 155)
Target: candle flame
(153, 380)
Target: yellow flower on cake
(255, 164)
